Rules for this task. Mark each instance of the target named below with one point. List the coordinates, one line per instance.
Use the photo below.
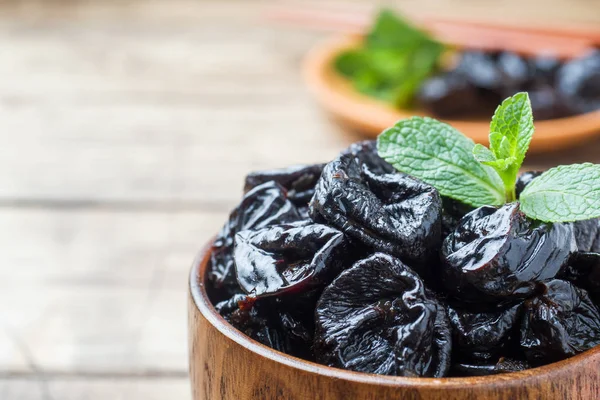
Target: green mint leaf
(422, 61)
(394, 61)
(391, 30)
(511, 130)
(441, 156)
(562, 194)
(483, 154)
(500, 144)
(350, 62)
(513, 120)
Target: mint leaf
(510, 134)
(395, 59)
(350, 62)
(565, 193)
(483, 154)
(421, 62)
(441, 156)
(390, 30)
(512, 123)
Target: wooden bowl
(227, 365)
(371, 116)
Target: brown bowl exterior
(227, 365)
(370, 116)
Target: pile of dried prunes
(354, 265)
(480, 80)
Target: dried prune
(583, 270)
(377, 317)
(579, 82)
(587, 235)
(451, 95)
(559, 323)
(516, 71)
(298, 180)
(547, 102)
(285, 325)
(452, 212)
(388, 211)
(481, 69)
(503, 366)
(481, 335)
(498, 254)
(525, 179)
(545, 68)
(365, 152)
(288, 258)
(265, 205)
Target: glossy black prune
(481, 69)
(587, 235)
(365, 152)
(298, 180)
(579, 82)
(451, 95)
(479, 336)
(525, 179)
(516, 70)
(547, 102)
(285, 325)
(265, 205)
(359, 194)
(452, 212)
(377, 317)
(288, 258)
(498, 254)
(583, 270)
(545, 68)
(503, 366)
(559, 323)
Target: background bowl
(227, 365)
(371, 116)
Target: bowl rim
(204, 305)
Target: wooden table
(127, 128)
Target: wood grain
(126, 128)
(92, 388)
(226, 365)
(99, 291)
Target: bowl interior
(204, 305)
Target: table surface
(127, 128)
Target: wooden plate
(227, 365)
(371, 116)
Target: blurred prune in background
(480, 80)
(579, 82)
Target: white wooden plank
(97, 290)
(94, 389)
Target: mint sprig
(510, 134)
(476, 175)
(396, 57)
